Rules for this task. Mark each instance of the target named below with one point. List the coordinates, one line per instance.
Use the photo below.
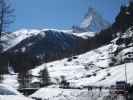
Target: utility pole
(126, 96)
(125, 73)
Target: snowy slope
(8, 93)
(94, 58)
(93, 68)
(8, 87)
(88, 69)
(10, 80)
(12, 39)
(6, 97)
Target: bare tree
(6, 15)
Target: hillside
(38, 46)
(103, 66)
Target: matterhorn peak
(92, 21)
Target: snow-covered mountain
(11, 40)
(92, 22)
(103, 66)
(35, 45)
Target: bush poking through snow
(64, 83)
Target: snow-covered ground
(10, 80)
(95, 58)
(78, 76)
(69, 94)
(93, 67)
(13, 97)
(8, 93)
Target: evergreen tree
(44, 76)
(24, 80)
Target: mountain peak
(90, 12)
(93, 21)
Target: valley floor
(68, 94)
(75, 94)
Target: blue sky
(61, 14)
